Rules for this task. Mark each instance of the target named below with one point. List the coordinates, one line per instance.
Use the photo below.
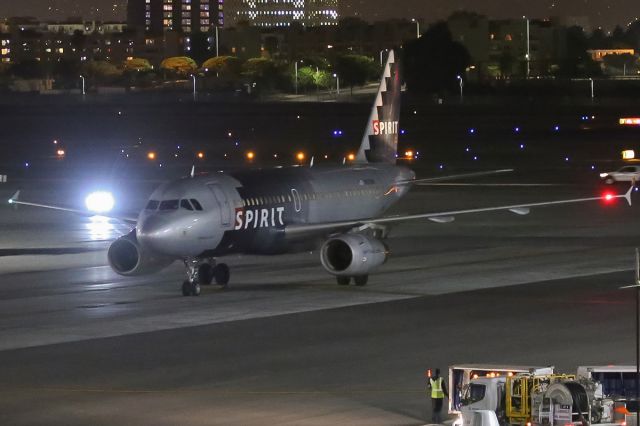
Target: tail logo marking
(385, 127)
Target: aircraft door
(297, 205)
(223, 202)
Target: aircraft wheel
(195, 288)
(609, 181)
(190, 288)
(343, 280)
(186, 288)
(222, 274)
(205, 273)
(361, 280)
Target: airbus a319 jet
(199, 219)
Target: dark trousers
(436, 408)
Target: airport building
(283, 13)
(156, 17)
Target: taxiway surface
(285, 344)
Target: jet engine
(127, 257)
(352, 255)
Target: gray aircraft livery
(199, 219)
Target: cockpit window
(169, 205)
(152, 205)
(186, 205)
(196, 204)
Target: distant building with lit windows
(282, 13)
(156, 17)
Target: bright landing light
(100, 202)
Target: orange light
(60, 152)
(351, 157)
(408, 154)
(630, 121)
(201, 155)
(510, 374)
(250, 155)
(300, 156)
(428, 373)
(475, 376)
(151, 155)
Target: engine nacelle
(127, 257)
(352, 255)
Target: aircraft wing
(444, 217)
(125, 218)
(453, 177)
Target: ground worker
(438, 392)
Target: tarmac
(286, 345)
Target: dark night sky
(606, 13)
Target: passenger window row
(266, 200)
(167, 205)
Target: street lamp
(337, 84)
(461, 87)
(217, 43)
(415, 21)
(528, 55)
(296, 70)
(83, 85)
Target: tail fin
(380, 141)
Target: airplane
(199, 219)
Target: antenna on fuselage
(193, 171)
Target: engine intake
(127, 257)
(352, 255)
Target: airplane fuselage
(248, 211)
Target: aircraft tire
(205, 274)
(186, 288)
(343, 280)
(361, 280)
(222, 274)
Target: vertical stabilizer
(380, 141)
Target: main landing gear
(204, 272)
(360, 280)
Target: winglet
(627, 195)
(311, 163)
(193, 171)
(14, 197)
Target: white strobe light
(99, 202)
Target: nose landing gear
(204, 272)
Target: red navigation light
(608, 197)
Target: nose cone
(155, 232)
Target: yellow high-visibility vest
(436, 388)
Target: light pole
(217, 44)
(592, 91)
(415, 21)
(195, 93)
(461, 87)
(84, 92)
(295, 65)
(528, 55)
(337, 84)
